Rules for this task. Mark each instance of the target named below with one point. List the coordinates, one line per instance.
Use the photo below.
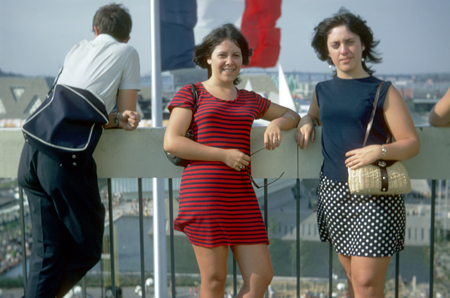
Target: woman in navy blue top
(365, 231)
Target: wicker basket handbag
(382, 177)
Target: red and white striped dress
(218, 205)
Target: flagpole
(159, 232)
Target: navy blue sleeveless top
(345, 107)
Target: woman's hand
(272, 136)
(236, 160)
(305, 132)
(281, 118)
(363, 156)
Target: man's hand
(129, 120)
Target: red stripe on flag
(258, 26)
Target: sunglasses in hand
(253, 181)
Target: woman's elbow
(415, 148)
(436, 121)
(168, 144)
(433, 119)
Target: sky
(414, 35)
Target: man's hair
(113, 19)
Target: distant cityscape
(21, 95)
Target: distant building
(144, 102)
(261, 84)
(19, 96)
(181, 77)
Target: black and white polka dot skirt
(371, 226)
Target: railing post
(83, 288)
(24, 248)
(266, 210)
(432, 216)
(111, 238)
(266, 216)
(141, 235)
(330, 270)
(397, 272)
(446, 203)
(297, 236)
(102, 285)
(172, 247)
(159, 231)
(159, 239)
(234, 278)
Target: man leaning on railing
(66, 211)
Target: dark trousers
(67, 219)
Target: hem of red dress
(225, 244)
(180, 228)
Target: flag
(258, 26)
(178, 19)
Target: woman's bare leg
(346, 263)
(256, 269)
(366, 275)
(213, 270)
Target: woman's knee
(268, 276)
(364, 283)
(349, 275)
(369, 275)
(260, 280)
(214, 281)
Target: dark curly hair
(356, 25)
(203, 51)
(113, 19)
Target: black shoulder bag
(68, 124)
(189, 134)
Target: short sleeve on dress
(263, 105)
(182, 99)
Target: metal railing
(116, 158)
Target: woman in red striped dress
(218, 206)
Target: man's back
(103, 66)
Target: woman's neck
(220, 90)
(357, 74)
(214, 82)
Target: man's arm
(126, 108)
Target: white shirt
(102, 66)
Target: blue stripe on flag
(178, 19)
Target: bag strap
(375, 103)
(195, 97)
(55, 81)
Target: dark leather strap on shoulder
(375, 102)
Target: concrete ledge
(139, 154)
